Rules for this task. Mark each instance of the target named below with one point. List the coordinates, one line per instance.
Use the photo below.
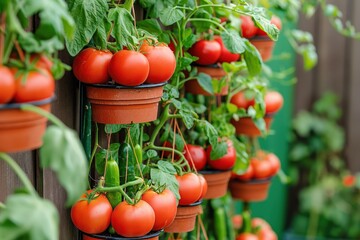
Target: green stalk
(42, 112)
(164, 117)
(19, 172)
(96, 144)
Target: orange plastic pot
(246, 126)
(185, 218)
(115, 104)
(250, 191)
(216, 72)
(150, 236)
(217, 182)
(265, 46)
(22, 130)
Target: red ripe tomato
(208, 51)
(161, 60)
(246, 175)
(237, 221)
(274, 20)
(91, 66)
(226, 55)
(92, 217)
(204, 186)
(240, 100)
(266, 234)
(274, 162)
(262, 168)
(189, 188)
(164, 205)
(196, 156)
(133, 220)
(225, 162)
(129, 68)
(248, 28)
(273, 102)
(7, 85)
(38, 85)
(247, 236)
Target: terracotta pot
(216, 72)
(150, 236)
(246, 126)
(250, 191)
(185, 218)
(22, 130)
(265, 46)
(217, 183)
(115, 104)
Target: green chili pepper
(138, 153)
(220, 224)
(127, 164)
(112, 179)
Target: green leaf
(101, 34)
(88, 15)
(218, 151)
(266, 26)
(210, 132)
(204, 81)
(166, 167)
(151, 153)
(62, 152)
(113, 128)
(124, 30)
(253, 59)
(100, 157)
(150, 25)
(28, 217)
(160, 178)
(242, 157)
(233, 42)
(171, 15)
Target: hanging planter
(22, 130)
(264, 45)
(115, 104)
(185, 218)
(250, 191)
(219, 81)
(246, 126)
(217, 183)
(150, 236)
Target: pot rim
(36, 103)
(108, 236)
(215, 65)
(117, 86)
(214, 171)
(192, 204)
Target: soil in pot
(115, 104)
(246, 126)
(185, 218)
(217, 182)
(265, 46)
(250, 191)
(219, 80)
(22, 130)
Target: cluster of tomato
(262, 166)
(20, 86)
(261, 229)
(198, 157)
(154, 211)
(153, 63)
(250, 30)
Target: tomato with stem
(196, 156)
(225, 162)
(248, 28)
(273, 101)
(226, 55)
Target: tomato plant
(196, 156)
(248, 28)
(92, 216)
(91, 66)
(189, 188)
(33, 86)
(208, 51)
(162, 62)
(133, 220)
(7, 85)
(225, 162)
(164, 205)
(225, 54)
(129, 68)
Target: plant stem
(164, 117)
(19, 172)
(96, 144)
(42, 112)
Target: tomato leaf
(205, 82)
(88, 15)
(242, 158)
(28, 217)
(100, 157)
(233, 42)
(160, 178)
(266, 26)
(166, 167)
(253, 59)
(67, 160)
(113, 128)
(218, 151)
(210, 132)
(101, 34)
(151, 153)
(170, 16)
(123, 31)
